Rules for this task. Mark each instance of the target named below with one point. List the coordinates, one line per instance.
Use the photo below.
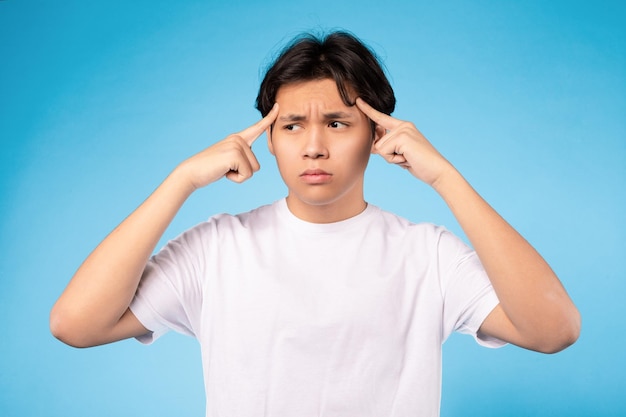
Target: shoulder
(236, 227)
(259, 216)
(214, 235)
(395, 223)
(225, 223)
(429, 236)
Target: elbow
(66, 327)
(564, 335)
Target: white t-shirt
(302, 319)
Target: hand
(231, 157)
(402, 144)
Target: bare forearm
(530, 294)
(103, 287)
(94, 308)
(535, 311)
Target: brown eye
(337, 125)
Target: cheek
(356, 153)
(284, 154)
(282, 150)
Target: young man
(319, 304)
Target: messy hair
(339, 56)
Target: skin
(93, 309)
(535, 311)
(315, 130)
(322, 148)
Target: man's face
(322, 148)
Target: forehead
(320, 92)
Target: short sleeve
(169, 296)
(468, 296)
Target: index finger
(250, 134)
(377, 117)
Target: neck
(330, 212)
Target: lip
(316, 176)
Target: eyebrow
(327, 116)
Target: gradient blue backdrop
(99, 100)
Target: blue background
(99, 100)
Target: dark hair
(339, 56)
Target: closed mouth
(314, 172)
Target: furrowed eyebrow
(338, 115)
(292, 118)
(327, 116)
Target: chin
(319, 197)
(312, 201)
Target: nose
(315, 144)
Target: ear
(270, 145)
(379, 132)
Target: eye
(337, 125)
(291, 127)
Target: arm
(93, 309)
(535, 311)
